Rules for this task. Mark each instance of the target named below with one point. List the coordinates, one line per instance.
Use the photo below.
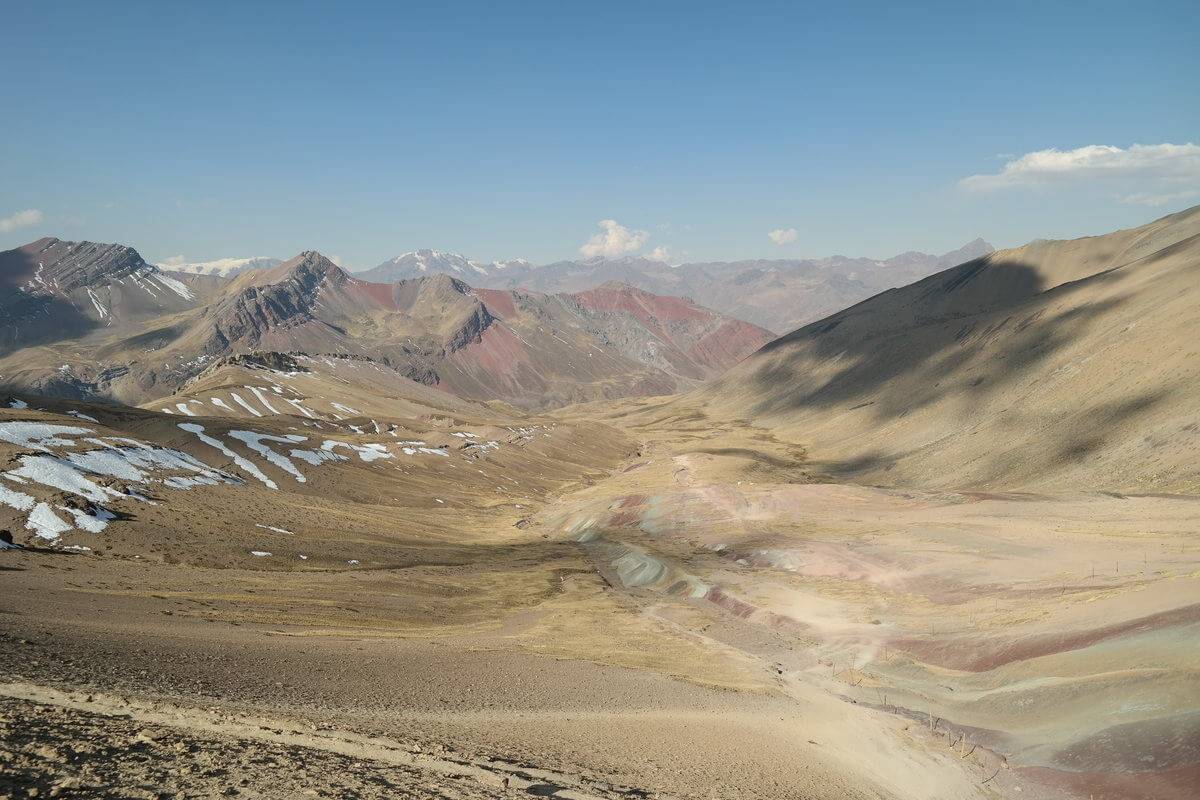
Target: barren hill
(1060, 363)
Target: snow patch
(241, 461)
(95, 522)
(39, 435)
(296, 404)
(18, 500)
(178, 287)
(262, 399)
(255, 440)
(45, 523)
(366, 452)
(237, 398)
(100, 309)
(50, 470)
(316, 457)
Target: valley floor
(510, 694)
(707, 620)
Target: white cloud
(660, 253)
(338, 261)
(1154, 200)
(173, 261)
(782, 236)
(21, 219)
(616, 240)
(1166, 164)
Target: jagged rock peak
(437, 283)
(73, 265)
(309, 267)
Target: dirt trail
(107, 716)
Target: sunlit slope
(307, 493)
(327, 387)
(1061, 363)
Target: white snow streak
(237, 398)
(262, 399)
(241, 461)
(255, 440)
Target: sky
(551, 130)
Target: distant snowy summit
(223, 267)
(428, 262)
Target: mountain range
(780, 295)
(95, 321)
(777, 294)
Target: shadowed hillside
(1058, 363)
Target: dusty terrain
(344, 585)
(453, 609)
(744, 629)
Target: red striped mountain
(111, 326)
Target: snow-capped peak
(426, 259)
(425, 262)
(517, 263)
(223, 267)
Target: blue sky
(213, 130)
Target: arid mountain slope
(317, 390)
(52, 290)
(1061, 363)
(95, 321)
